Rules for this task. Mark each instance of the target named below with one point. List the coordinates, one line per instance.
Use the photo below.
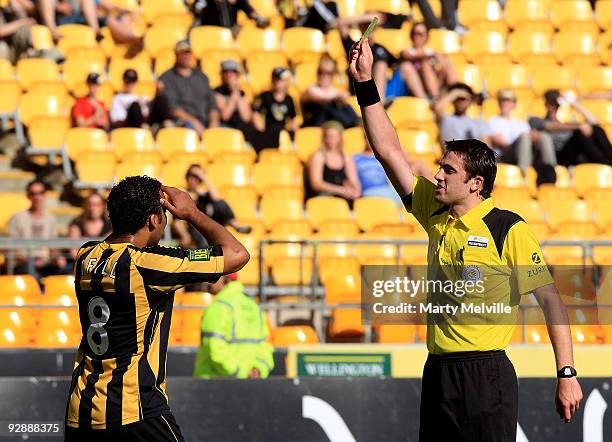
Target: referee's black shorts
(470, 397)
(155, 429)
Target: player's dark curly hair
(132, 201)
(478, 159)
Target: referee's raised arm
(379, 130)
(180, 204)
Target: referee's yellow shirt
(487, 243)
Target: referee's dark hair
(132, 201)
(478, 160)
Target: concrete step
(5, 162)
(14, 180)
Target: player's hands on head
(568, 397)
(361, 61)
(178, 203)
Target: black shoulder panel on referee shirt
(441, 210)
(499, 222)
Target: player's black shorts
(156, 429)
(469, 396)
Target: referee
(125, 290)
(469, 386)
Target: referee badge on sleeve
(199, 255)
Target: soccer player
(469, 387)
(125, 289)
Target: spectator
(89, 111)
(210, 203)
(225, 13)
(330, 172)
(93, 222)
(323, 102)
(512, 138)
(62, 12)
(233, 314)
(127, 108)
(575, 143)
(160, 112)
(459, 125)
(274, 110)
(424, 70)
(321, 15)
(234, 108)
(15, 31)
(449, 15)
(191, 99)
(36, 223)
(120, 22)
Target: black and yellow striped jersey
(125, 296)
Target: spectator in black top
(225, 13)
(322, 15)
(575, 143)
(188, 91)
(323, 102)
(274, 111)
(330, 171)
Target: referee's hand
(568, 397)
(361, 61)
(178, 203)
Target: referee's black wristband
(366, 92)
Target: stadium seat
(322, 208)
(19, 290)
(481, 15)
(348, 227)
(34, 105)
(59, 290)
(80, 139)
(186, 326)
(117, 66)
(244, 158)
(578, 230)
(602, 213)
(31, 70)
(377, 253)
(296, 227)
(10, 93)
(154, 8)
(411, 113)
(590, 176)
(211, 60)
(48, 132)
(576, 49)
(573, 15)
(268, 174)
(292, 271)
(373, 211)
(75, 35)
(552, 192)
(444, 41)
(42, 38)
(206, 38)
(306, 75)
(416, 143)
(18, 328)
(301, 44)
(397, 334)
(7, 71)
(75, 72)
(194, 299)
(307, 141)
(588, 334)
(252, 39)
(137, 166)
(222, 139)
(126, 140)
(563, 255)
(509, 175)
(330, 267)
(344, 289)
(287, 335)
(182, 20)
(164, 60)
(603, 13)
(284, 246)
(96, 168)
(602, 109)
(295, 192)
(485, 47)
(531, 48)
(172, 140)
(566, 210)
(394, 40)
(273, 155)
(59, 328)
(509, 76)
(159, 37)
(224, 174)
(528, 15)
(551, 77)
(260, 74)
(593, 78)
(275, 210)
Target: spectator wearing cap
(191, 100)
(234, 108)
(513, 140)
(575, 143)
(458, 125)
(89, 111)
(274, 111)
(234, 334)
(127, 108)
(330, 171)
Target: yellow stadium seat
(373, 211)
(59, 290)
(19, 290)
(531, 48)
(397, 334)
(41, 37)
(485, 47)
(182, 20)
(117, 66)
(295, 192)
(222, 139)
(224, 174)
(602, 109)
(292, 271)
(395, 7)
(260, 75)
(551, 192)
(593, 78)
(567, 210)
(490, 107)
(343, 289)
(158, 38)
(245, 209)
(528, 15)
(305, 75)
(509, 175)
(605, 46)
(250, 241)
(171, 140)
(394, 40)
(299, 227)
(302, 42)
(469, 74)
(345, 324)
(349, 8)
(245, 158)
(576, 49)
(348, 227)
(96, 168)
(589, 176)
(411, 112)
(578, 230)
(511, 76)
(588, 333)
(206, 38)
(31, 70)
(194, 299)
(137, 166)
(367, 252)
(321, 208)
(34, 105)
(75, 35)
(337, 248)
(75, 72)
(274, 210)
(444, 41)
(211, 60)
(7, 72)
(164, 60)
(80, 139)
(551, 77)
(268, 174)
(353, 140)
(307, 141)
(481, 15)
(602, 213)
(287, 335)
(563, 255)
(603, 13)
(48, 132)
(128, 139)
(573, 15)
(153, 8)
(18, 328)
(272, 155)
(10, 93)
(331, 267)
(255, 39)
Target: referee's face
(453, 186)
